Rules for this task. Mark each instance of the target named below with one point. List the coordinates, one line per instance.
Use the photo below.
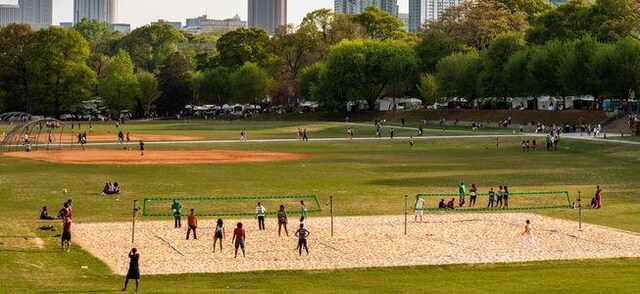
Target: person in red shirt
(598, 197)
(238, 239)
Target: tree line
(479, 49)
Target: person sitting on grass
(44, 214)
(442, 205)
(451, 203)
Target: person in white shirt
(527, 237)
(260, 214)
(418, 208)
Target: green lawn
(366, 178)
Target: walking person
(141, 148)
(462, 190)
(238, 239)
(302, 235)
(527, 236)
(219, 234)
(391, 133)
(192, 221)
(260, 214)
(134, 270)
(120, 137)
(304, 135)
(410, 142)
(598, 197)
(282, 220)
(500, 196)
(176, 208)
(419, 208)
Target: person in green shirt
(462, 190)
(176, 208)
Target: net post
(579, 212)
(331, 212)
(406, 204)
(133, 222)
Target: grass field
(366, 178)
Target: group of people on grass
(239, 234)
(499, 200)
(111, 188)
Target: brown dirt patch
(133, 157)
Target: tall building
(421, 11)
(9, 14)
(358, 6)
(101, 10)
(36, 13)
(404, 17)
(267, 14)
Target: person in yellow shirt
(193, 224)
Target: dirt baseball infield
(133, 157)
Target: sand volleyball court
(133, 157)
(368, 241)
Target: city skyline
(129, 11)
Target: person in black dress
(134, 270)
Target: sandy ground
(133, 157)
(370, 241)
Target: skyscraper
(358, 6)
(421, 11)
(9, 14)
(101, 10)
(36, 13)
(267, 14)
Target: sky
(142, 12)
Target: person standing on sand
(302, 235)
(505, 196)
(598, 197)
(282, 220)
(141, 148)
(527, 236)
(219, 234)
(500, 196)
(473, 195)
(260, 214)
(238, 239)
(192, 221)
(419, 208)
(176, 208)
(462, 191)
(134, 269)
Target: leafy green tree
(216, 85)
(568, 21)
(380, 25)
(310, 78)
(297, 49)
(434, 45)
(531, 7)
(196, 79)
(456, 75)
(119, 87)
(618, 68)
(148, 92)
(368, 71)
(63, 78)
(428, 88)
(240, 46)
(17, 75)
(612, 20)
(477, 23)
(344, 27)
(174, 85)
(149, 46)
(494, 59)
(250, 84)
(516, 75)
(576, 69)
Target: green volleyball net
(229, 205)
(516, 201)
